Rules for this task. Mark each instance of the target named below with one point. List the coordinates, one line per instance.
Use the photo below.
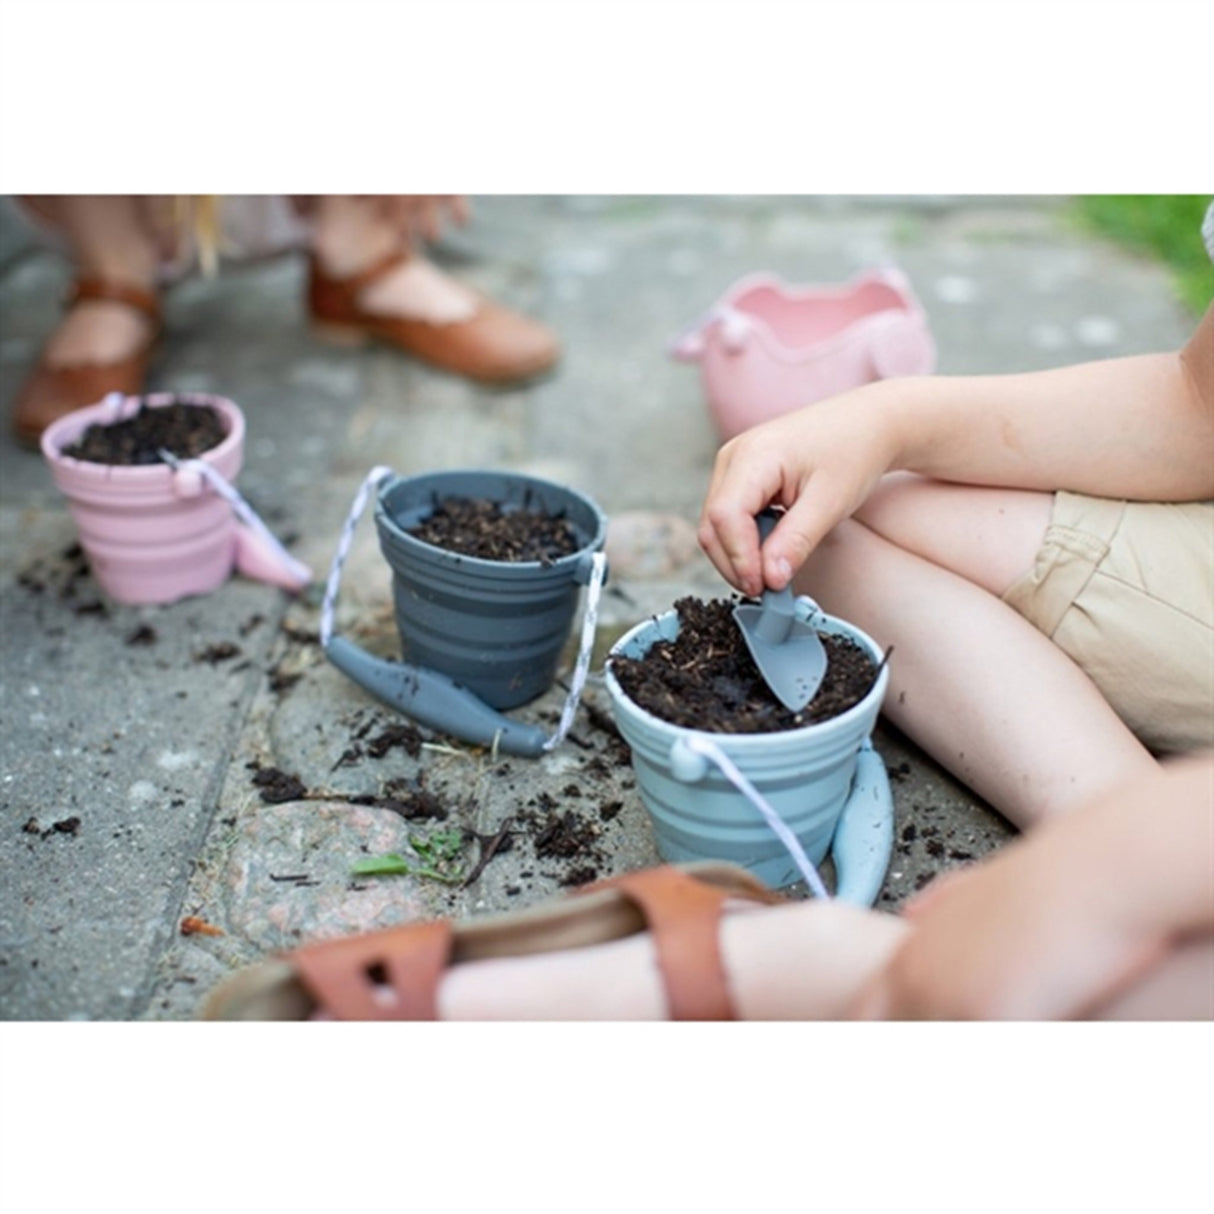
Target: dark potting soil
(184, 430)
(475, 527)
(706, 679)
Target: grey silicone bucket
(477, 636)
(812, 777)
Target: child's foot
(96, 332)
(409, 303)
(102, 345)
(419, 290)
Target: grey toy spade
(787, 651)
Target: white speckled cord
(244, 511)
(589, 622)
(711, 751)
(373, 479)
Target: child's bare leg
(806, 960)
(109, 237)
(1181, 987)
(971, 681)
(988, 535)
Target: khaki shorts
(1126, 589)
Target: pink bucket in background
(154, 533)
(766, 348)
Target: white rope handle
(590, 621)
(328, 608)
(711, 751)
(247, 515)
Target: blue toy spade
(787, 651)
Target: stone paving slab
(154, 746)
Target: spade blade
(787, 651)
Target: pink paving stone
(322, 840)
(645, 544)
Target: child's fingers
(741, 486)
(813, 513)
(731, 542)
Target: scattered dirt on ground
(564, 834)
(301, 636)
(706, 678)
(183, 429)
(283, 680)
(400, 735)
(277, 786)
(65, 826)
(483, 529)
(401, 797)
(62, 575)
(413, 802)
(216, 652)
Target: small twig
(490, 845)
(880, 666)
(441, 749)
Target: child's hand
(1006, 941)
(1061, 921)
(820, 463)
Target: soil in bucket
(480, 528)
(706, 678)
(185, 430)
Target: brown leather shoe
(50, 391)
(494, 346)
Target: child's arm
(1062, 922)
(1139, 428)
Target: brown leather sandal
(49, 392)
(394, 974)
(494, 346)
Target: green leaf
(382, 866)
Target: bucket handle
(734, 328)
(864, 835)
(689, 759)
(431, 697)
(261, 551)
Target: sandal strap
(350, 288)
(681, 907)
(139, 298)
(684, 915)
(343, 975)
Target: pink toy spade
(766, 348)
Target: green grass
(1166, 226)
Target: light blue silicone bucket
(824, 781)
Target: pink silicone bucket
(152, 534)
(766, 348)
